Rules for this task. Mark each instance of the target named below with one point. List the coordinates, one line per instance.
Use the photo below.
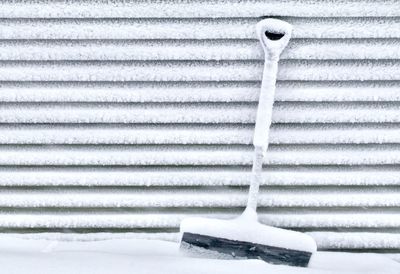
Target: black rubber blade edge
(239, 249)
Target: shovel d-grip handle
(274, 35)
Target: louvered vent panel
(131, 115)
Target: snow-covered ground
(119, 256)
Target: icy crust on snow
(325, 240)
(96, 236)
(292, 70)
(343, 262)
(216, 28)
(146, 256)
(201, 9)
(108, 50)
(246, 228)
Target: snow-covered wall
(128, 116)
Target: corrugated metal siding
(128, 116)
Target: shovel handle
(265, 105)
(274, 35)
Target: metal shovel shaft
(274, 35)
(265, 104)
(262, 126)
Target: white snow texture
(130, 116)
(126, 255)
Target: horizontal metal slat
(148, 220)
(49, 50)
(198, 156)
(335, 113)
(204, 8)
(356, 240)
(135, 113)
(337, 91)
(208, 198)
(198, 134)
(196, 92)
(216, 28)
(167, 176)
(198, 71)
(198, 113)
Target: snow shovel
(244, 237)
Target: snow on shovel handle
(274, 36)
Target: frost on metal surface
(126, 117)
(226, 49)
(198, 155)
(103, 219)
(220, 198)
(204, 8)
(197, 92)
(209, 113)
(183, 134)
(190, 71)
(193, 28)
(197, 176)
